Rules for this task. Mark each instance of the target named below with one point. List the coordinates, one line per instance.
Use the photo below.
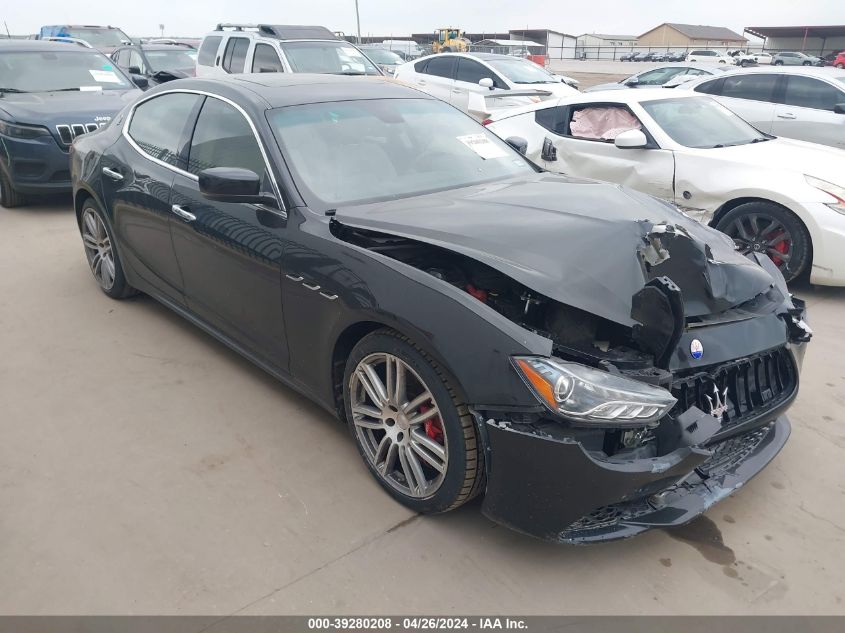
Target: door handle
(111, 173)
(787, 115)
(183, 213)
(420, 83)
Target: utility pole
(358, 21)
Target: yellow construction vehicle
(449, 40)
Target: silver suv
(269, 48)
(796, 59)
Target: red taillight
(486, 121)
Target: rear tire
(392, 445)
(100, 251)
(9, 198)
(840, 66)
(807, 64)
(767, 228)
(778, 63)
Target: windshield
(75, 69)
(337, 58)
(178, 59)
(701, 122)
(99, 38)
(382, 56)
(521, 71)
(364, 151)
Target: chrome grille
(68, 132)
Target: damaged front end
(654, 407)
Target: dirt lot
(145, 468)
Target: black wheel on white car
(102, 257)
(779, 62)
(415, 435)
(9, 198)
(767, 228)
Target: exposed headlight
(832, 190)
(593, 396)
(16, 130)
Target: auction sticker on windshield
(483, 146)
(105, 76)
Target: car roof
(40, 46)
(163, 47)
(816, 71)
(696, 65)
(482, 56)
(276, 31)
(627, 96)
(277, 90)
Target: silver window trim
(125, 132)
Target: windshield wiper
(761, 139)
(12, 90)
(349, 72)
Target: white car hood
(781, 154)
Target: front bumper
(827, 230)
(555, 490)
(35, 166)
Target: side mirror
(518, 143)
(134, 70)
(632, 81)
(631, 139)
(486, 82)
(139, 80)
(232, 184)
(549, 151)
(839, 108)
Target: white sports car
(779, 196)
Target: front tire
(767, 228)
(9, 198)
(100, 251)
(415, 435)
(778, 63)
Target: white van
(407, 48)
(707, 56)
(269, 48)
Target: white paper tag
(90, 88)
(349, 51)
(483, 146)
(105, 76)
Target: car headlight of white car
(830, 189)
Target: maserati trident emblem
(718, 403)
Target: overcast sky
(402, 17)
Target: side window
(122, 57)
(711, 87)
(158, 125)
(601, 122)
(553, 119)
(223, 138)
(806, 92)
(441, 67)
(420, 66)
(473, 72)
(137, 61)
(234, 58)
(208, 50)
(753, 87)
(266, 60)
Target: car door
(437, 77)
(750, 95)
(467, 76)
(583, 135)
(230, 254)
(807, 112)
(138, 172)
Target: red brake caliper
(780, 247)
(433, 426)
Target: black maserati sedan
(589, 359)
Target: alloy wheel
(760, 233)
(397, 423)
(98, 248)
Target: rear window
(234, 58)
(208, 50)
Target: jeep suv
(51, 93)
(263, 48)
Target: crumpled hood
(55, 108)
(586, 244)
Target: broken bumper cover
(554, 490)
